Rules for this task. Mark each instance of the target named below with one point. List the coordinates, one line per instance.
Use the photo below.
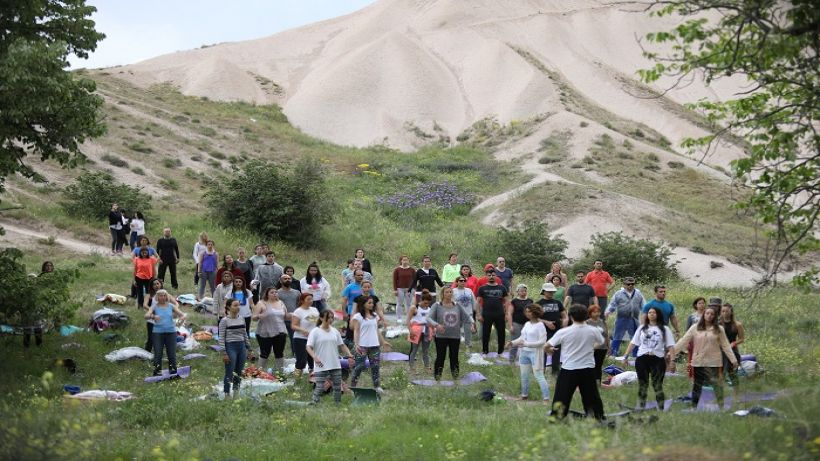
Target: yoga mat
(194, 356)
(751, 357)
(470, 378)
(395, 357)
(216, 347)
(182, 372)
(650, 405)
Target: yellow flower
(363, 166)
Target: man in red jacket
(601, 282)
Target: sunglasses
(461, 280)
(630, 284)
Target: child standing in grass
(233, 337)
(162, 312)
(420, 335)
(531, 343)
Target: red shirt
(598, 281)
(471, 283)
(403, 277)
(144, 267)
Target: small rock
(715, 264)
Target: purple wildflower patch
(437, 195)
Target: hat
(715, 302)
(489, 266)
(548, 287)
(629, 279)
(520, 286)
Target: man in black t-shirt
(554, 318)
(168, 252)
(580, 292)
(492, 310)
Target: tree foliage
(775, 46)
(531, 249)
(92, 194)
(45, 111)
(624, 256)
(26, 300)
(276, 203)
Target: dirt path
(26, 237)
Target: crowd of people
(564, 328)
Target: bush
(288, 205)
(26, 300)
(114, 160)
(531, 249)
(92, 194)
(138, 170)
(169, 162)
(624, 256)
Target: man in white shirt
(577, 343)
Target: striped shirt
(232, 331)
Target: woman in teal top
(162, 312)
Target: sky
(138, 30)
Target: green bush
(27, 300)
(114, 160)
(289, 205)
(530, 249)
(624, 256)
(171, 162)
(92, 194)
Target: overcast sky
(138, 30)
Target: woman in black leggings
(493, 303)
(448, 318)
(653, 340)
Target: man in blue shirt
(626, 304)
(667, 308)
(352, 291)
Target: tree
(530, 249)
(290, 206)
(624, 256)
(45, 111)
(92, 194)
(775, 46)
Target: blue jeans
(527, 359)
(623, 325)
(233, 370)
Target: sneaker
(379, 390)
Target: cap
(520, 286)
(489, 266)
(548, 287)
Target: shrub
(114, 160)
(138, 170)
(623, 256)
(583, 124)
(25, 300)
(530, 249)
(295, 202)
(170, 184)
(92, 194)
(216, 154)
(675, 165)
(171, 162)
(140, 147)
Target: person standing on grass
(517, 317)
(267, 274)
(666, 308)
(577, 343)
(256, 260)
(324, 344)
(137, 226)
(557, 271)
(626, 304)
(149, 302)
(244, 297)
(470, 280)
(554, 317)
(698, 305)
(493, 303)
(207, 266)
(164, 335)
(316, 285)
(448, 318)
(294, 282)
(580, 292)
(420, 333)
(367, 341)
(357, 265)
(596, 321)
(736, 335)
(234, 340)
(503, 273)
(144, 242)
(302, 321)
(359, 256)
(244, 265)
(228, 265)
(271, 333)
(199, 247)
(351, 292)
(403, 276)
(531, 357)
(144, 272)
(653, 340)
(465, 299)
(290, 297)
(600, 281)
(367, 290)
(221, 293)
(560, 290)
(709, 339)
(115, 226)
(450, 270)
(168, 252)
(426, 278)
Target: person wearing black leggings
(493, 303)
(654, 340)
(448, 318)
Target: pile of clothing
(107, 318)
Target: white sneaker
(379, 390)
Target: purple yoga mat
(213, 329)
(194, 356)
(751, 357)
(395, 357)
(216, 347)
(707, 398)
(182, 372)
(470, 378)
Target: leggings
(335, 377)
(424, 344)
(650, 365)
(359, 355)
(143, 285)
(727, 365)
(443, 347)
(149, 343)
(708, 375)
(277, 343)
(302, 357)
(38, 336)
(600, 354)
(115, 240)
(489, 321)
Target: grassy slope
(412, 423)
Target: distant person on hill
(449, 319)
(554, 317)
(421, 335)
(228, 265)
(162, 312)
(47, 267)
(653, 341)
(367, 341)
(115, 226)
(517, 318)
(600, 281)
(168, 252)
(503, 273)
(426, 279)
(580, 292)
(626, 304)
(403, 276)
(144, 267)
(325, 344)
(577, 343)
(199, 247)
(531, 357)
(207, 266)
(493, 303)
(314, 283)
(137, 226)
(450, 270)
(359, 256)
(234, 339)
(271, 332)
